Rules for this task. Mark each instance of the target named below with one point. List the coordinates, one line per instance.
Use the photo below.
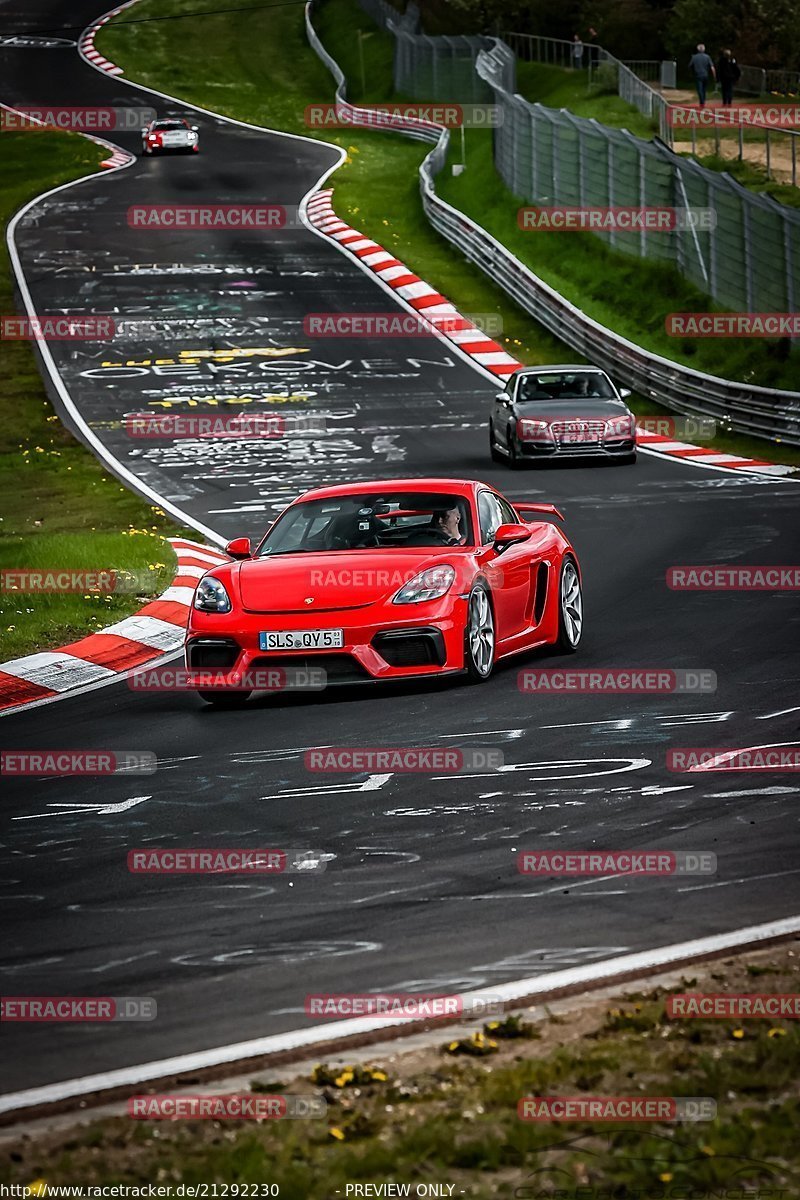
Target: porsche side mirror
(624, 393)
(239, 548)
(510, 535)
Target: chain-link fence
(742, 407)
(749, 261)
(439, 68)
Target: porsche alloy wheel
(570, 607)
(479, 649)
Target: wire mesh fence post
(748, 257)
(611, 190)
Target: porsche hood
(334, 580)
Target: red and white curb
(86, 44)
(117, 158)
(417, 294)
(475, 345)
(706, 456)
(157, 629)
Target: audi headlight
(528, 429)
(621, 426)
(428, 585)
(211, 596)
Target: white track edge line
(597, 973)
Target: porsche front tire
(570, 607)
(479, 635)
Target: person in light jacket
(702, 69)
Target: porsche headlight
(211, 596)
(431, 584)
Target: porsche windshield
(369, 522)
(571, 385)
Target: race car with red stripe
(386, 580)
(170, 134)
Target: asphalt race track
(421, 891)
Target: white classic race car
(172, 133)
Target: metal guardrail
(554, 52)
(782, 81)
(752, 80)
(648, 69)
(763, 412)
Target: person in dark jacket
(702, 68)
(728, 74)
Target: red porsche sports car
(383, 581)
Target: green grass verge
(234, 67)
(446, 1113)
(558, 87)
(60, 509)
(752, 176)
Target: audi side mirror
(510, 535)
(239, 548)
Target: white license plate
(575, 436)
(174, 139)
(301, 639)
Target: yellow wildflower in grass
(337, 1133)
(773, 1033)
(738, 1034)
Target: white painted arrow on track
(67, 809)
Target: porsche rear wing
(525, 506)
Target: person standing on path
(702, 69)
(728, 74)
(577, 52)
